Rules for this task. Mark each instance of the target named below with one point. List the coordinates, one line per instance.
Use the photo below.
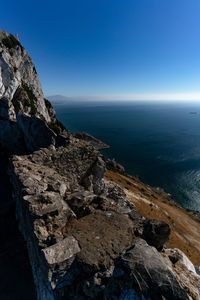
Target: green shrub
(53, 127)
(42, 117)
(59, 124)
(57, 127)
(11, 42)
(16, 105)
(34, 69)
(31, 97)
(48, 104)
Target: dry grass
(156, 204)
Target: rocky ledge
(85, 239)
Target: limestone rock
(16, 66)
(21, 98)
(35, 132)
(149, 274)
(80, 202)
(178, 257)
(61, 251)
(99, 145)
(184, 271)
(101, 238)
(84, 240)
(115, 192)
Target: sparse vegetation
(57, 127)
(16, 104)
(185, 237)
(53, 127)
(32, 98)
(111, 168)
(34, 69)
(60, 125)
(48, 104)
(42, 117)
(11, 42)
(20, 100)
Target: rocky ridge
(27, 119)
(85, 240)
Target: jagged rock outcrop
(185, 271)
(99, 145)
(22, 103)
(85, 240)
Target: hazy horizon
(181, 97)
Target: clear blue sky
(101, 47)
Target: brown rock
(156, 233)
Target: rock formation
(99, 145)
(85, 240)
(27, 120)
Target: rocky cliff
(85, 240)
(27, 120)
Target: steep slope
(85, 239)
(154, 203)
(13, 251)
(27, 120)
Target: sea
(157, 141)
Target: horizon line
(134, 97)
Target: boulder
(178, 257)
(147, 272)
(156, 233)
(61, 251)
(184, 270)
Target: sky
(111, 49)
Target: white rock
(61, 251)
(181, 258)
(16, 66)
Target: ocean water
(160, 142)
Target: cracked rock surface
(85, 240)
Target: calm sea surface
(160, 142)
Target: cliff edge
(85, 239)
(27, 119)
